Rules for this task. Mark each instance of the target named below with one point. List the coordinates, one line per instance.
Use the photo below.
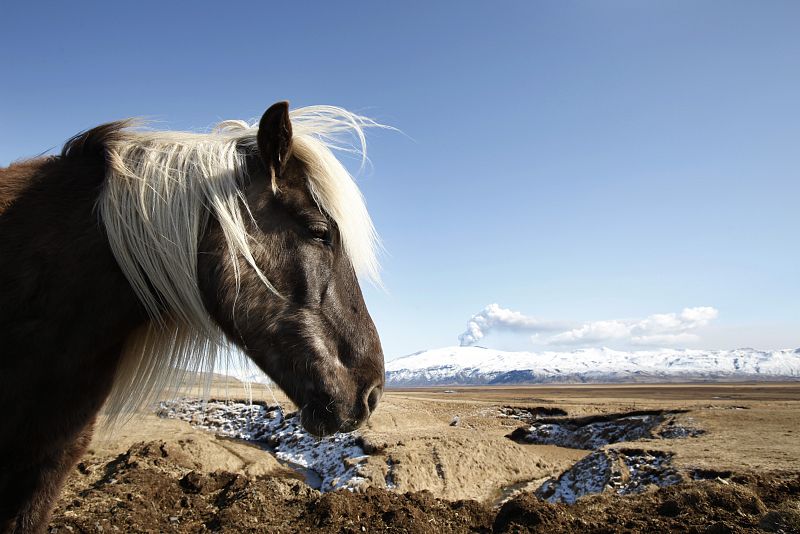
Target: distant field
(691, 391)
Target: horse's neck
(65, 311)
(14, 180)
(62, 294)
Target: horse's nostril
(373, 397)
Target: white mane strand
(161, 188)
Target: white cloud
(658, 329)
(661, 329)
(493, 317)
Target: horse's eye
(320, 232)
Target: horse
(136, 257)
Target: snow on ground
(593, 434)
(527, 414)
(589, 475)
(621, 471)
(336, 459)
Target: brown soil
(188, 480)
(148, 489)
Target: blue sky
(572, 161)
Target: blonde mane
(161, 188)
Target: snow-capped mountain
(482, 366)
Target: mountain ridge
(451, 366)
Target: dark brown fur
(66, 310)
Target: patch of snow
(336, 459)
(593, 434)
(391, 483)
(672, 430)
(624, 472)
(529, 414)
(589, 475)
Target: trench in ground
(336, 461)
(623, 471)
(328, 463)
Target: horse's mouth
(343, 407)
(325, 417)
(321, 422)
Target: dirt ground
(446, 456)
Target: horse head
(297, 309)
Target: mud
(150, 489)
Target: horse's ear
(275, 137)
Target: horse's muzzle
(326, 417)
